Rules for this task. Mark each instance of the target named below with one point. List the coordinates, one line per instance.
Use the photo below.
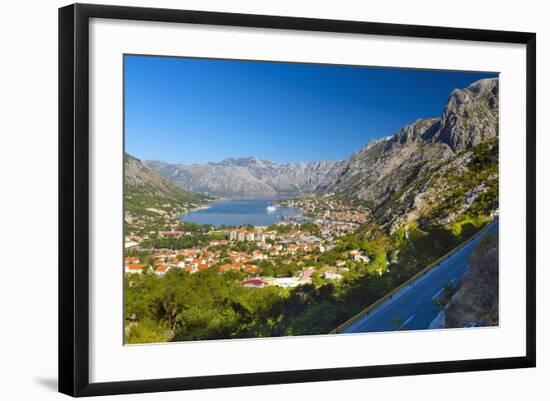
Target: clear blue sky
(195, 110)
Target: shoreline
(252, 211)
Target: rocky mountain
(470, 117)
(384, 166)
(432, 161)
(249, 176)
(430, 167)
(147, 193)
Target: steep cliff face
(471, 116)
(431, 167)
(385, 166)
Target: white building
(286, 282)
(161, 270)
(357, 256)
(130, 245)
(330, 275)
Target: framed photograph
(250, 199)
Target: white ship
(271, 208)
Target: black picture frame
(74, 198)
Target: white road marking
(437, 294)
(453, 280)
(407, 321)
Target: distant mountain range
(249, 176)
(394, 175)
(469, 118)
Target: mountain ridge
(147, 193)
(247, 176)
(385, 166)
(376, 173)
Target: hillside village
(255, 252)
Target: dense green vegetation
(209, 305)
(138, 200)
(197, 235)
(482, 171)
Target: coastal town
(333, 216)
(286, 254)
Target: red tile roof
(256, 282)
(136, 266)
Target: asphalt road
(412, 308)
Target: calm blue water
(238, 212)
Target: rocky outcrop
(381, 169)
(475, 303)
(471, 115)
(386, 166)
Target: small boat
(271, 208)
